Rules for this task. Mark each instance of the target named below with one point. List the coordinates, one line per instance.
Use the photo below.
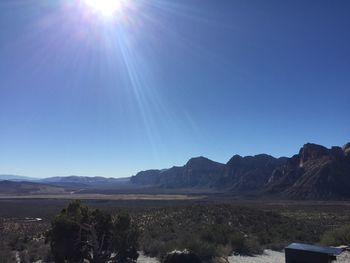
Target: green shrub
(153, 248)
(204, 249)
(245, 245)
(216, 234)
(337, 237)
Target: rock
(311, 151)
(346, 149)
(315, 173)
(337, 152)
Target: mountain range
(15, 184)
(316, 172)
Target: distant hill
(73, 180)
(11, 177)
(84, 181)
(314, 173)
(10, 187)
(22, 184)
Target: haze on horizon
(86, 91)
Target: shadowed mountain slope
(316, 172)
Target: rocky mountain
(251, 172)
(239, 174)
(346, 149)
(316, 172)
(197, 172)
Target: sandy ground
(144, 259)
(270, 256)
(104, 197)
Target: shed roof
(317, 249)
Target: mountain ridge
(315, 172)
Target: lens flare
(106, 8)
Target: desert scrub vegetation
(76, 234)
(209, 230)
(337, 237)
(22, 240)
(217, 230)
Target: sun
(106, 8)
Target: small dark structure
(304, 253)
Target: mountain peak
(235, 159)
(311, 151)
(199, 161)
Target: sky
(160, 81)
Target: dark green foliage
(204, 249)
(125, 238)
(5, 255)
(337, 237)
(79, 233)
(66, 235)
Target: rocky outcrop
(346, 149)
(315, 173)
(251, 172)
(149, 177)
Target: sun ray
(106, 8)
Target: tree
(125, 238)
(66, 236)
(79, 233)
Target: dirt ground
(270, 256)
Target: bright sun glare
(105, 7)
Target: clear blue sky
(162, 81)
